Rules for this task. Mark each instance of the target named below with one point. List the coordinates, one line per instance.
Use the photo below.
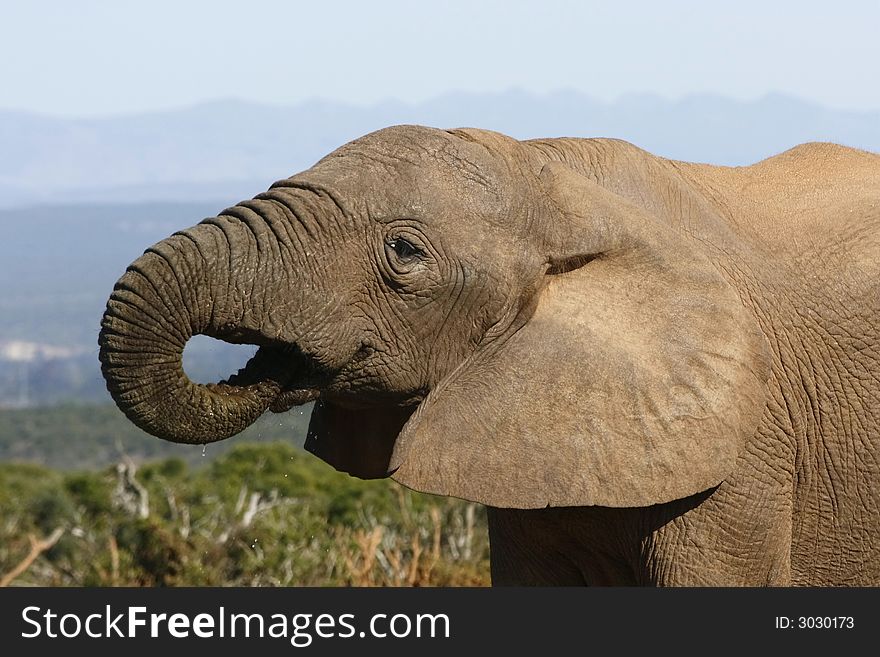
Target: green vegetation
(82, 437)
(249, 513)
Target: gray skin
(651, 372)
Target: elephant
(651, 372)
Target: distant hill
(233, 149)
(87, 437)
(59, 264)
(58, 260)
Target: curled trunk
(181, 287)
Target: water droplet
(204, 449)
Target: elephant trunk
(195, 282)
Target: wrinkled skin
(652, 372)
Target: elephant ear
(636, 381)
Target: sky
(90, 58)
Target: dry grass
(134, 531)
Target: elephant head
(468, 318)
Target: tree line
(248, 514)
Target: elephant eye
(404, 251)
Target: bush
(262, 514)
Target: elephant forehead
(418, 178)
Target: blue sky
(89, 58)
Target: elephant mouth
(287, 375)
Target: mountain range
(228, 150)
